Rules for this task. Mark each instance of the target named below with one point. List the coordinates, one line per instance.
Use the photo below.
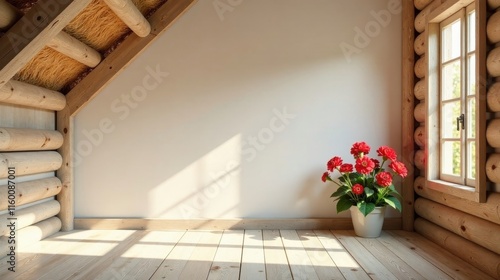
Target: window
(457, 98)
(456, 107)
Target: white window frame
(434, 179)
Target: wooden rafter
(33, 32)
(89, 87)
(130, 15)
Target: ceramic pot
(369, 226)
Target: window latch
(460, 121)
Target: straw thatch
(97, 26)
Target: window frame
(433, 121)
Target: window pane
(471, 73)
(471, 117)
(451, 37)
(471, 158)
(450, 158)
(450, 81)
(449, 114)
(471, 30)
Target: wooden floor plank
(444, 260)
(236, 254)
(343, 260)
(298, 259)
(200, 262)
(174, 263)
(323, 265)
(425, 268)
(75, 254)
(369, 263)
(227, 260)
(391, 261)
(143, 258)
(275, 256)
(252, 260)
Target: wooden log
(419, 45)
(419, 136)
(25, 163)
(31, 191)
(407, 107)
(477, 230)
(493, 4)
(24, 139)
(493, 133)
(32, 234)
(493, 28)
(420, 112)
(19, 93)
(421, 4)
(421, 18)
(493, 62)
(493, 97)
(478, 256)
(8, 15)
(489, 210)
(419, 160)
(30, 215)
(131, 16)
(77, 50)
(420, 89)
(493, 168)
(421, 67)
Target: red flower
(387, 153)
(384, 179)
(334, 163)
(325, 176)
(346, 168)
(364, 165)
(359, 149)
(358, 189)
(377, 163)
(399, 168)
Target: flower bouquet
(370, 185)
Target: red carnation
(384, 179)
(358, 189)
(364, 165)
(325, 176)
(387, 153)
(346, 168)
(399, 168)
(359, 149)
(334, 163)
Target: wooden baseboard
(221, 224)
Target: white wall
(179, 144)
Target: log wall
(466, 228)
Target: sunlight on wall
(208, 187)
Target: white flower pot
(369, 226)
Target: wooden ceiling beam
(20, 93)
(130, 15)
(33, 32)
(8, 15)
(75, 49)
(88, 88)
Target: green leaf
(341, 191)
(343, 204)
(365, 208)
(369, 192)
(393, 202)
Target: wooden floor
(236, 254)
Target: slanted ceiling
(96, 26)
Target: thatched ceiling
(97, 26)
